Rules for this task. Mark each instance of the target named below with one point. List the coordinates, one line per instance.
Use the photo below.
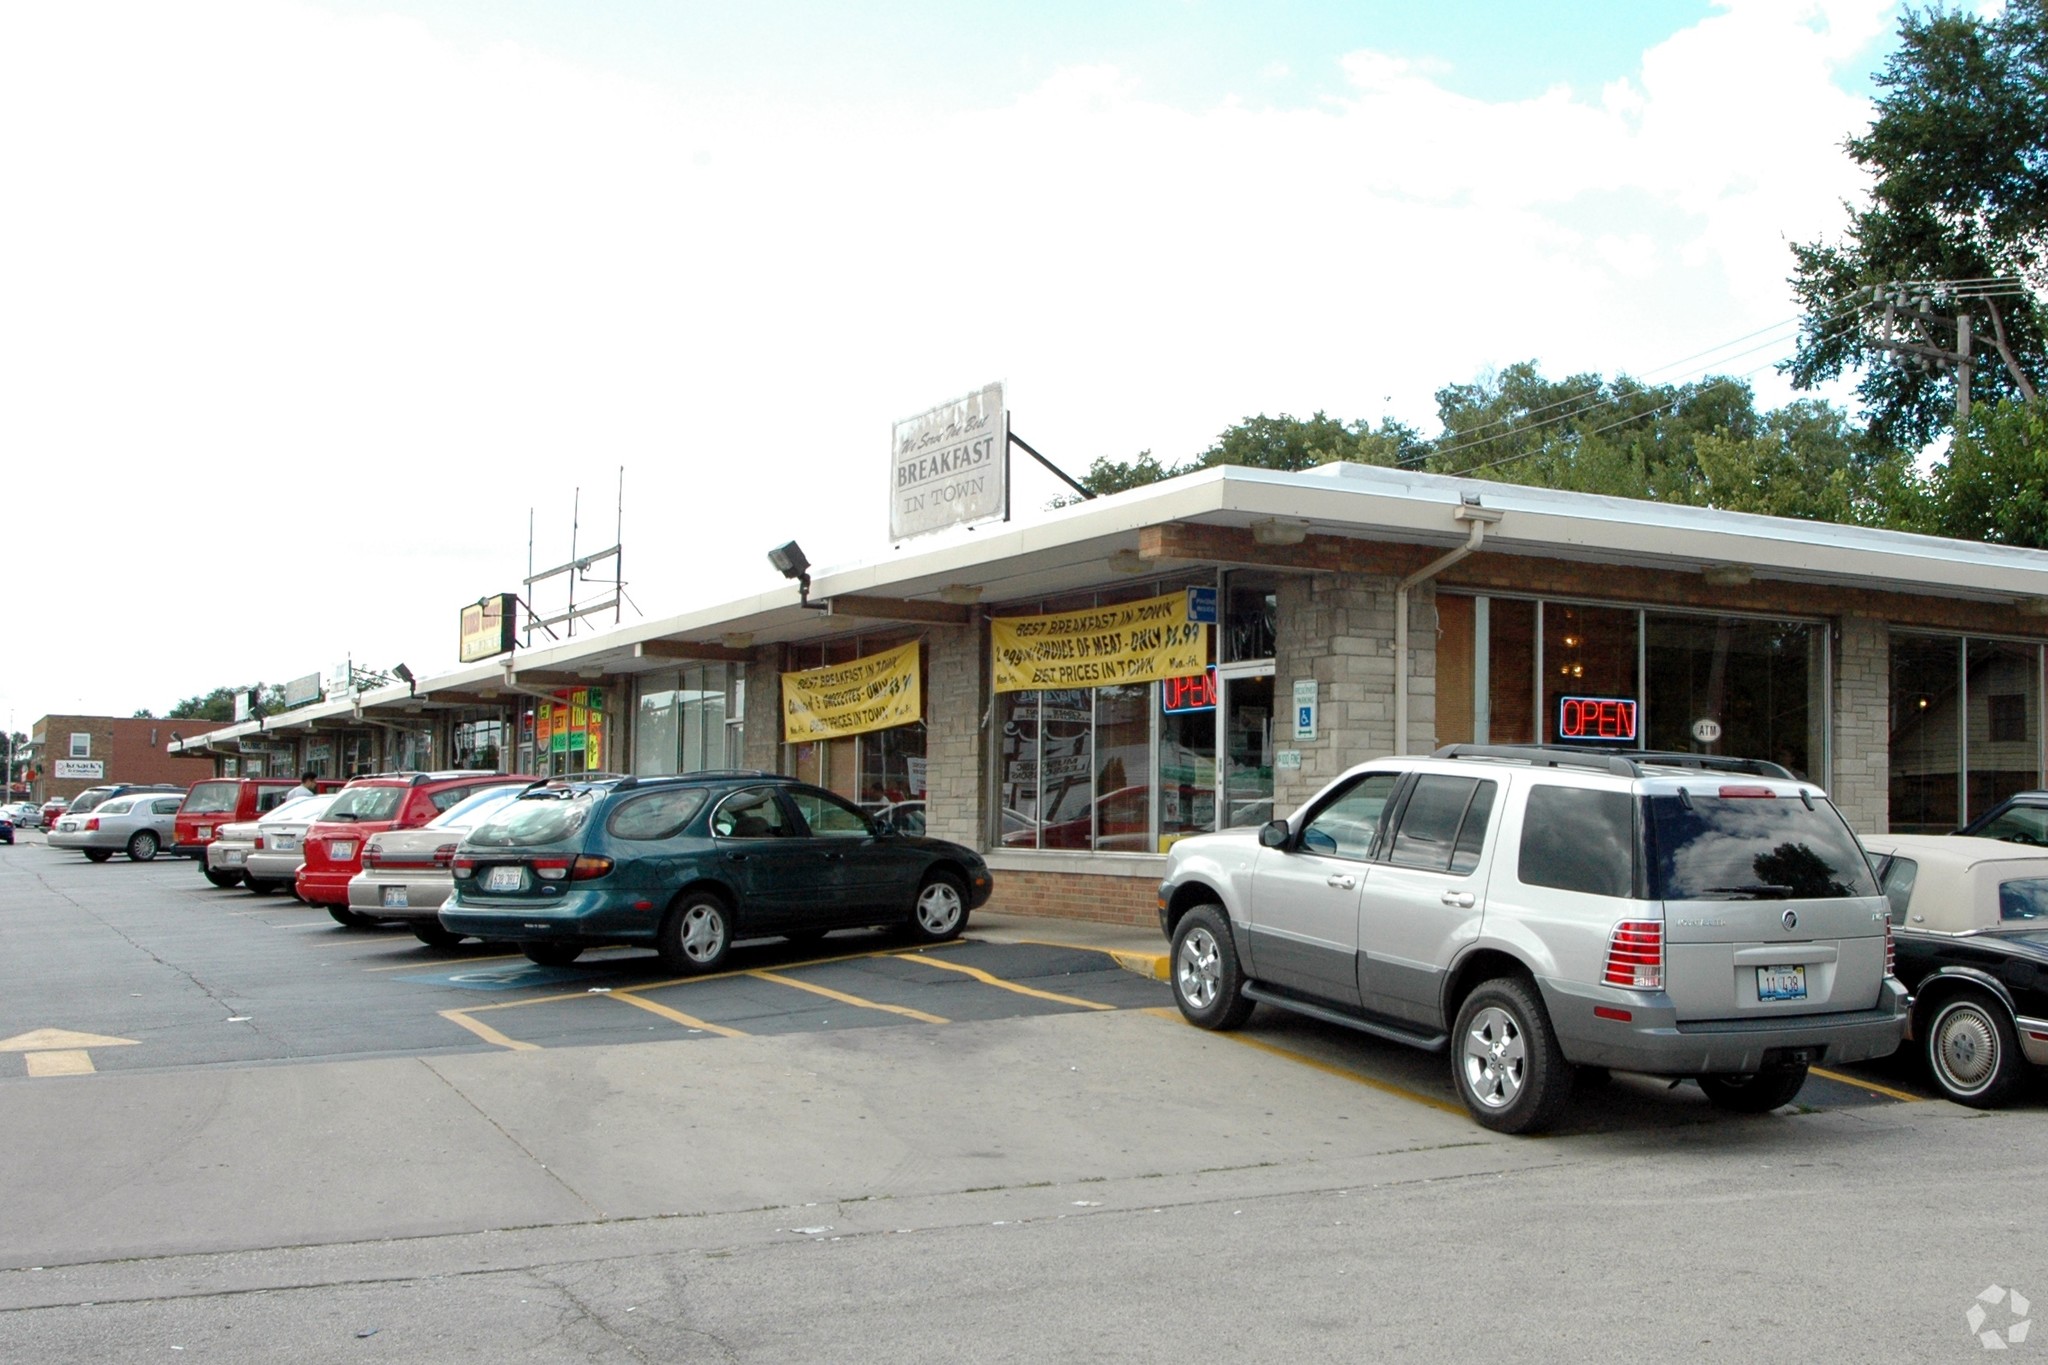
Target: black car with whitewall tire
(687, 865)
(1970, 920)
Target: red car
(223, 801)
(370, 805)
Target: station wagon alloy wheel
(941, 909)
(696, 934)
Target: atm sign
(1597, 718)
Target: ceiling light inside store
(1274, 531)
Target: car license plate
(394, 897)
(1781, 983)
(232, 857)
(206, 831)
(284, 843)
(505, 879)
(341, 850)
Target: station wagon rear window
(657, 815)
(542, 817)
(212, 798)
(366, 803)
(1709, 847)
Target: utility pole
(1916, 332)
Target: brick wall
(128, 750)
(1071, 893)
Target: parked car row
(23, 814)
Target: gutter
(1480, 518)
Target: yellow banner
(1127, 643)
(846, 699)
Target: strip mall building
(1208, 651)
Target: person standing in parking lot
(309, 784)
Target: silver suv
(1530, 910)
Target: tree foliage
(1994, 486)
(1264, 442)
(1958, 153)
(219, 704)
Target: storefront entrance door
(1246, 705)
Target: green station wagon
(685, 865)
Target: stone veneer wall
(1339, 630)
(761, 731)
(1861, 784)
(956, 665)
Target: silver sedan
(406, 872)
(137, 825)
(273, 862)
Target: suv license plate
(341, 850)
(394, 898)
(1781, 983)
(505, 879)
(206, 831)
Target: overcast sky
(303, 306)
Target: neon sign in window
(1599, 719)
(1196, 692)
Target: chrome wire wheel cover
(703, 933)
(938, 908)
(1496, 1060)
(1198, 968)
(1965, 1048)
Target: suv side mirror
(1273, 834)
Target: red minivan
(370, 805)
(223, 801)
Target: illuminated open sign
(1196, 692)
(1611, 719)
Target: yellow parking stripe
(846, 999)
(487, 1033)
(979, 975)
(1346, 1073)
(686, 1020)
(1860, 1084)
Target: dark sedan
(2021, 818)
(685, 865)
(1970, 924)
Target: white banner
(950, 466)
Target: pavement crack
(504, 1132)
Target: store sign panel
(78, 768)
(1132, 642)
(950, 466)
(1602, 720)
(874, 693)
(487, 627)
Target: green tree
(219, 704)
(1994, 486)
(1959, 157)
(1264, 442)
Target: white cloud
(282, 280)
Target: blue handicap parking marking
(507, 978)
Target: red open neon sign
(1596, 718)
(1197, 692)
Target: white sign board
(950, 466)
(1305, 708)
(1706, 731)
(78, 767)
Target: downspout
(1480, 518)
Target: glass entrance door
(1246, 706)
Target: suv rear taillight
(1891, 950)
(1635, 955)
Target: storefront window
(683, 721)
(875, 768)
(478, 745)
(1589, 657)
(570, 735)
(1965, 729)
(1726, 685)
(2003, 741)
(411, 751)
(320, 757)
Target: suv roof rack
(1627, 763)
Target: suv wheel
(1759, 1092)
(941, 909)
(1208, 984)
(1971, 1050)
(1505, 1059)
(143, 846)
(696, 935)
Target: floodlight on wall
(789, 561)
(404, 675)
(1274, 531)
(1728, 575)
